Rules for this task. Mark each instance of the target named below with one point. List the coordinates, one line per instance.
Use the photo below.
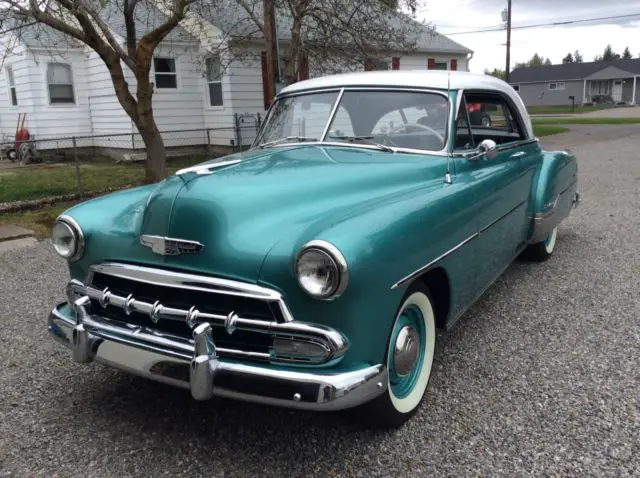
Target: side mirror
(487, 148)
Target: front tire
(543, 250)
(409, 359)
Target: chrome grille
(245, 318)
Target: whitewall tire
(409, 360)
(543, 250)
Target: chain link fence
(77, 165)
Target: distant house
(66, 89)
(615, 81)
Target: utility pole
(270, 45)
(508, 66)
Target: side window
(489, 117)
(388, 123)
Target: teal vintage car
(313, 270)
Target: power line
(551, 24)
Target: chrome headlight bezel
(338, 261)
(78, 237)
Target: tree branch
(130, 25)
(251, 14)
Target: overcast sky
(452, 16)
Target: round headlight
(67, 238)
(321, 270)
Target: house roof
(147, 17)
(569, 71)
(233, 20)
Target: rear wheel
(543, 250)
(409, 359)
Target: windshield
(382, 118)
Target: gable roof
(570, 71)
(233, 20)
(147, 17)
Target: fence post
(236, 119)
(209, 141)
(77, 161)
(133, 140)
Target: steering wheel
(423, 127)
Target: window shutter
(395, 63)
(454, 64)
(431, 64)
(265, 81)
(303, 72)
(368, 64)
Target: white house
(66, 90)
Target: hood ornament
(168, 246)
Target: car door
(501, 187)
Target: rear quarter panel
(555, 179)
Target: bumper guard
(195, 365)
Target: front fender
(554, 186)
(381, 245)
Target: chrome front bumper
(195, 365)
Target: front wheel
(543, 250)
(409, 358)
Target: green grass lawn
(40, 181)
(590, 120)
(39, 221)
(549, 110)
(547, 130)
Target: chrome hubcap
(406, 351)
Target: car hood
(239, 212)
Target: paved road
(541, 377)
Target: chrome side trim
(182, 280)
(417, 273)
(333, 341)
(427, 266)
(197, 365)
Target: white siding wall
(245, 80)
(419, 61)
(22, 79)
(106, 114)
(60, 120)
(179, 112)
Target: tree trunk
(156, 155)
(156, 169)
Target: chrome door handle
(521, 154)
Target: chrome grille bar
(330, 340)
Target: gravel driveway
(540, 378)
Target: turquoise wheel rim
(402, 386)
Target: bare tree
(147, 24)
(337, 35)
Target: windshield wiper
(299, 139)
(367, 140)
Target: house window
(12, 87)
(556, 86)
(441, 65)
(165, 73)
(60, 83)
(214, 80)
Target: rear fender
(554, 190)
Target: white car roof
(435, 79)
